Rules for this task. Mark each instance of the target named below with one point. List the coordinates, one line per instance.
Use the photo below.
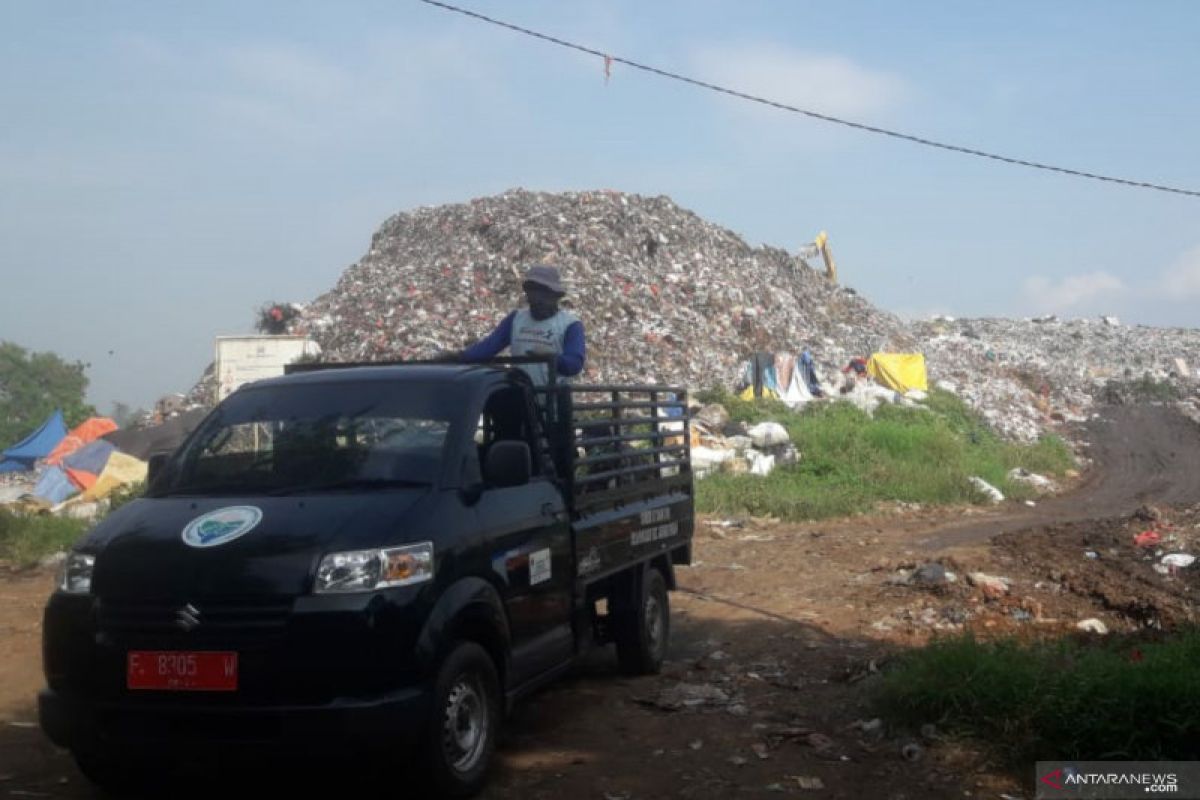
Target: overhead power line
(609, 59)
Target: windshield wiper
(351, 483)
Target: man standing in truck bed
(542, 329)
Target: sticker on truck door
(539, 566)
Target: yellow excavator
(822, 245)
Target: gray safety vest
(532, 337)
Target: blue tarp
(54, 486)
(91, 457)
(36, 445)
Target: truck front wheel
(643, 630)
(466, 719)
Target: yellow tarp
(901, 372)
(122, 469)
(748, 393)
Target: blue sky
(166, 168)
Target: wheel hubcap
(465, 724)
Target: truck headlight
(75, 577)
(367, 570)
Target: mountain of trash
(667, 297)
(664, 295)
(1026, 374)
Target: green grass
(850, 461)
(1116, 699)
(25, 540)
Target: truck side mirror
(155, 466)
(508, 464)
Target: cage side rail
(630, 470)
(629, 455)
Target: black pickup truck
(366, 557)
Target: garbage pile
(666, 297)
(719, 445)
(1023, 374)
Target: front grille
(234, 624)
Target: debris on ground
(990, 492)
(1039, 482)
(687, 696)
(1092, 625)
(992, 586)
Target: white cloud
(1181, 280)
(828, 84)
(1070, 292)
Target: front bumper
(80, 724)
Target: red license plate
(182, 670)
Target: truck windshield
(314, 438)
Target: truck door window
(506, 419)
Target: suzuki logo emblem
(187, 618)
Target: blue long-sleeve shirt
(569, 362)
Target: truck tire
(465, 721)
(642, 632)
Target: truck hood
(250, 546)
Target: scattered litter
(868, 726)
(1092, 554)
(992, 586)
(761, 464)
(1030, 503)
(1147, 539)
(1039, 482)
(768, 434)
(1147, 513)
(1179, 560)
(738, 761)
(696, 744)
(991, 493)
(808, 782)
(761, 750)
(912, 752)
(931, 574)
(686, 696)
(1092, 625)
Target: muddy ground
(779, 631)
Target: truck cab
(356, 556)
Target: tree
(32, 385)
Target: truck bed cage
(605, 454)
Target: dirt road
(777, 635)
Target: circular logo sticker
(221, 526)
